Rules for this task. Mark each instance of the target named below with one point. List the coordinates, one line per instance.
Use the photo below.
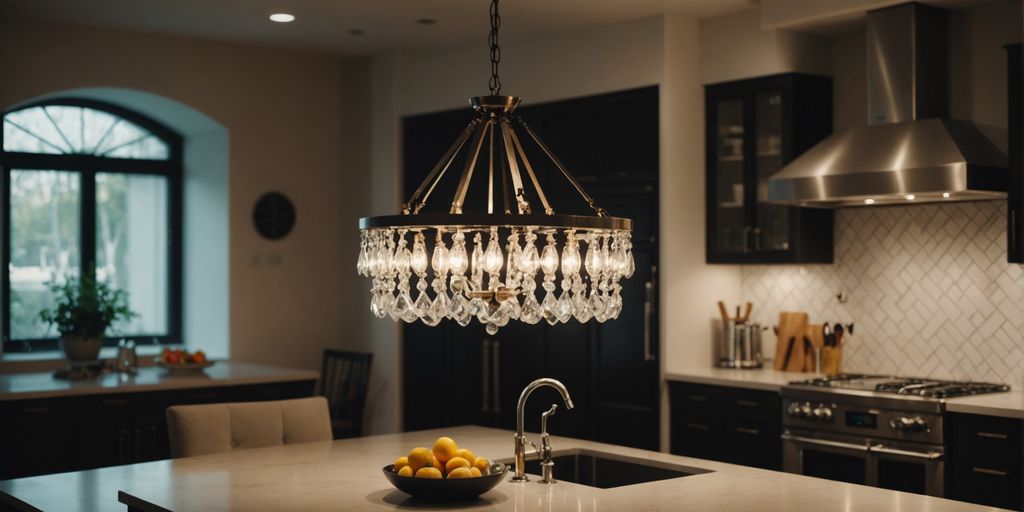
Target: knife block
(831, 360)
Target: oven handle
(825, 442)
(930, 455)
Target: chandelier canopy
(487, 265)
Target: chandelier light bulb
(419, 256)
(492, 257)
(549, 258)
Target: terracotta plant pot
(81, 349)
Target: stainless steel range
(872, 430)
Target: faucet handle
(544, 419)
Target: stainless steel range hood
(909, 151)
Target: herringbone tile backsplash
(929, 289)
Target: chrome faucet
(520, 438)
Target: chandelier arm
(529, 170)
(440, 168)
(467, 172)
(517, 179)
(490, 172)
(561, 167)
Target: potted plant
(84, 309)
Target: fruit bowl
(184, 367)
(446, 489)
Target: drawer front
(753, 442)
(697, 434)
(748, 402)
(694, 396)
(987, 480)
(986, 434)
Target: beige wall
(289, 298)
(735, 46)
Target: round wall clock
(273, 215)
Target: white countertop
(20, 386)
(1009, 404)
(345, 475)
(767, 379)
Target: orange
(461, 472)
(401, 462)
(437, 464)
(467, 454)
(429, 473)
(476, 472)
(456, 462)
(445, 448)
(420, 457)
(407, 471)
(483, 465)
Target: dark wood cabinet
(739, 426)
(753, 128)
(985, 460)
(1015, 203)
(51, 435)
(459, 375)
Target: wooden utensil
(789, 351)
(746, 313)
(724, 312)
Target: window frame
(87, 167)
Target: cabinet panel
(1015, 97)
(752, 441)
(987, 480)
(754, 128)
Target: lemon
(476, 472)
(445, 448)
(401, 462)
(456, 462)
(483, 465)
(407, 471)
(461, 472)
(437, 464)
(467, 454)
(430, 472)
(418, 458)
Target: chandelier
(489, 266)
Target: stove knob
(909, 423)
(823, 412)
(793, 410)
(806, 411)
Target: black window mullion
(5, 278)
(87, 231)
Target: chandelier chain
(495, 82)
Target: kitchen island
(346, 475)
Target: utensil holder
(831, 360)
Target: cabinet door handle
(496, 378)
(697, 426)
(648, 313)
(992, 435)
(1013, 231)
(697, 398)
(138, 445)
(485, 374)
(745, 430)
(748, 403)
(39, 409)
(987, 471)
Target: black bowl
(444, 489)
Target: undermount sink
(606, 470)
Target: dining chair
(344, 379)
(213, 428)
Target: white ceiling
(324, 25)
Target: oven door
(833, 457)
(899, 466)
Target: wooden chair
(344, 379)
(213, 428)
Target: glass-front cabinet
(754, 128)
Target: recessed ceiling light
(945, 195)
(356, 32)
(910, 197)
(282, 17)
(869, 201)
(426, 21)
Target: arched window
(90, 185)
